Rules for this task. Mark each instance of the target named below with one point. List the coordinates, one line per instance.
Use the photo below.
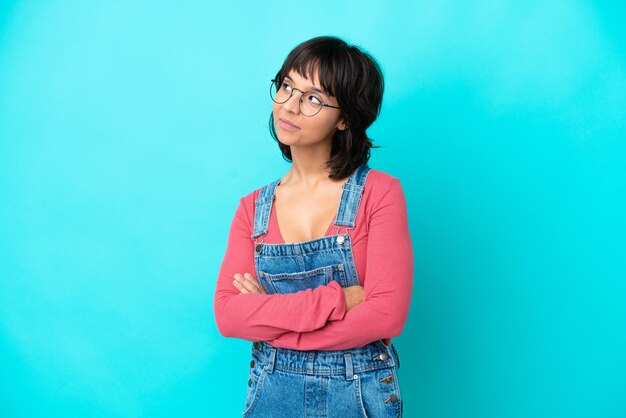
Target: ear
(341, 125)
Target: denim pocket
(379, 393)
(309, 279)
(255, 384)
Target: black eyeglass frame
(272, 86)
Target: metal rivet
(252, 364)
(258, 248)
(392, 398)
(381, 356)
(340, 239)
(355, 377)
(387, 379)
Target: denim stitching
(315, 272)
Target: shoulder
(379, 183)
(378, 178)
(382, 189)
(251, 197)
(247, 202)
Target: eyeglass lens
(310, 103)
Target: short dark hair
(356, 80)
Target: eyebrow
(311, 88)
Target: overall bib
(359, 382)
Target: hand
(354, 295)
(247, 284)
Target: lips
(287, 121)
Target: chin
(287, 135)
(287, 141)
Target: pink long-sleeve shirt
(316, 319)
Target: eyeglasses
(310, 102)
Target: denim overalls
(358, 382)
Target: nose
(293, 104)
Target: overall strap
(262, 209)
(351, 197)
(346, 214)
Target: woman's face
(308, 130)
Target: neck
(308, 167)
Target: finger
(247, 284)
(240, 287)
(250, 277)
(254, 282)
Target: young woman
(318, 270)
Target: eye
(285, 86)
(315, 100)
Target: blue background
(130, 129)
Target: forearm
(373, 319)
(255, 316)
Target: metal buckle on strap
(258, 245)
(347, 228)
